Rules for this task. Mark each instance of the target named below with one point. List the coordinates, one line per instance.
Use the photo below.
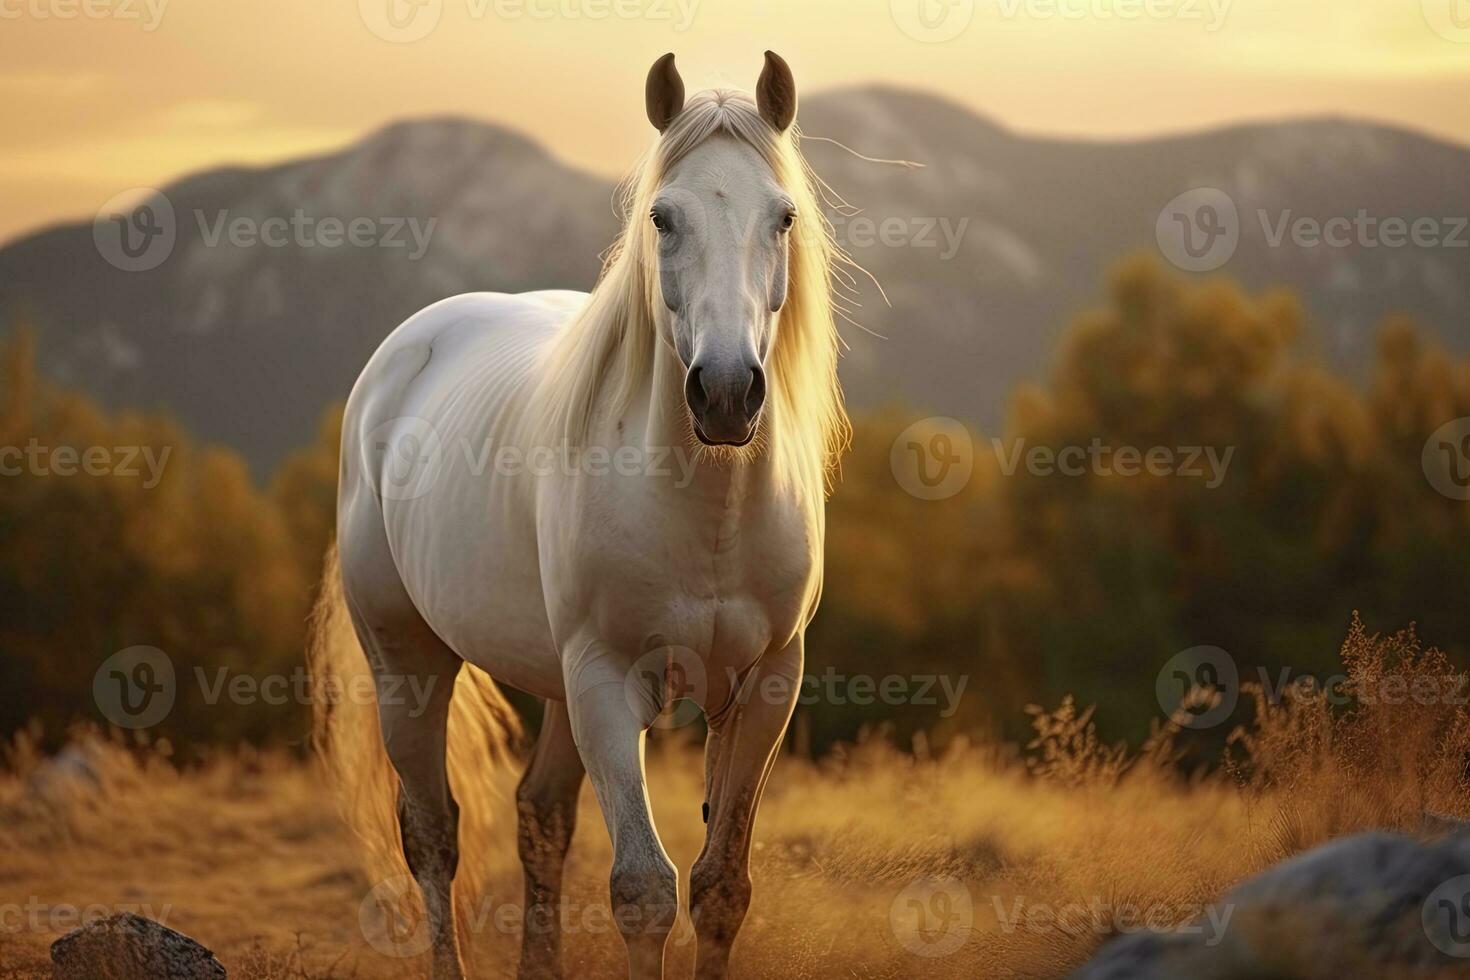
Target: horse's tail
(483, 729)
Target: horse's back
(483, 340)
(458, 326)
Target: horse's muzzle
(725, 403)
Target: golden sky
(99, 96)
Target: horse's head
(722, 221)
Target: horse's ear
(663, 94)
(775, 93)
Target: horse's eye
(658, 221)
(787, 220)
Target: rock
(1371, 905)
(130, 947)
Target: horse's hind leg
(547, 804)
(414, 673)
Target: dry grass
(247, 854)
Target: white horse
(597, 576)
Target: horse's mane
(602, 358)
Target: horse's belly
(479, 589)
(467, 553)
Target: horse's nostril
(755, 395)
(694, 392)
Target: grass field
(1017, 869)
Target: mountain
(985, 253)
(1047, 218)
(248, 340)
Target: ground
(984, 860)
(247, 855)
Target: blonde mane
(601, 359)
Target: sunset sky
(99, 96)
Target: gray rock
(1371, 905)
(130, 947)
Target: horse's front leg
(740, 751)
(609, 716)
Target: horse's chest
(725, 583)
